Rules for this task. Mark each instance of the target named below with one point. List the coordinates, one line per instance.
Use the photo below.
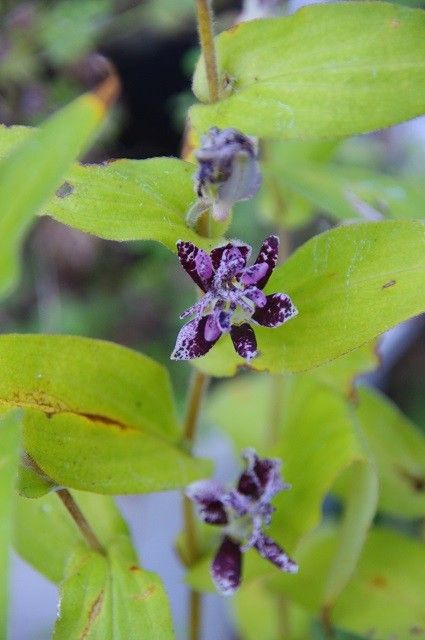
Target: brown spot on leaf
(388, 284)
(379, 581)
(134, 568)
(95, 610)
(417, 631)
(234, 29)
(146, 594)
(65, 190)
(417, 483)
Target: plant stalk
(206, 39)
(76, 514)
(70, 505)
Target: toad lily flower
(233, 298)
(242, 513)
(228, 172)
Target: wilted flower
(228, 172)
(242, 513)
(233, 298)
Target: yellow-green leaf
(328, 70)
(349, 284)
(35, 168)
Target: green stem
(206, 39)
(199, 381)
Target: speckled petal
(208, 497)
(268, 254)
(271, 551)
(244, 341)
(195, 262)
(217, 253)
(191, 342)
(227, 566)
(277, 310)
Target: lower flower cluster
(242, 513)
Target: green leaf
(130, 200)
(49, 514)
(385, 594)
(99, 417)
(9, 452)
(140, 605)
(352, 193)
(31, 172)
(86, 599)
(399, 450)
(262, 614)
(349, 284)
(88, 454)
(90, 378)
(111, 597)
(127, 199)
(328, 70)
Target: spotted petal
(277, 310)
(217, 253)
(191, 342)
(268, 254)
(227, 566)
(208, 495)
(271, 551)
(244, 341)
(195, 262)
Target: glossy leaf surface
(326, 71)
(349, 285)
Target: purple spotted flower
(242, 513)
(228, 172)
(233, 298)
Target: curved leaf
(328, 70)
(31, 172)
(49, 514)
(349, 284)
(399, 449)
(111, 597)
(385, 594)
(91, 455)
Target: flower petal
(277, 310)
(195, 262)
(227, 566)
(253, 274)
(268, 254)
(217, 253)
(271, 551)
(244, 341)
(212, 329)
(208, 496)
(191, 342)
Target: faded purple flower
(242, 513)
(233, 298)
(228, 172)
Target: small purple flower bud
(228, 171)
